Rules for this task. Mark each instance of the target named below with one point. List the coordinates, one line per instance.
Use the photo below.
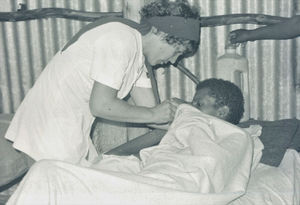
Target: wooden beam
(43, 13)
(24, 15)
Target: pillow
(12, 162)
(276, 137)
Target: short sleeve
(143, 81)
(112, 53)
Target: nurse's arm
(104, 103)
(145, 97)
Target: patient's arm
(134, 146)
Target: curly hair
(174, 8)
(226, 94)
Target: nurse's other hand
(239, 36)
(164, 112)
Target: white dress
(54, 119)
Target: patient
(215, 97)
(193, 143)
(202, 152)
(194, 133)
(219, 98)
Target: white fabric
(54, 182)
(201, 153)
(275, 186)
(54, 120)
(215, 171)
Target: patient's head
(220, 98)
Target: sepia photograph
(150, 102)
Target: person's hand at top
(287, 29)
(239, 36)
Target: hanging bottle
(233, 67)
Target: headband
(186, 28)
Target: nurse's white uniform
(54, 120)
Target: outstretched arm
(283, 30)
(145, 97)
(105, 104)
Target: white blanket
(201, 159)
(274, 185)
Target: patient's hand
(254, 130)
(178, 101)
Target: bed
(275, 181)
(245, 174)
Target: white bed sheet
(268, 186)
(275, 185)
(201, 160)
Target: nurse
(101, 65)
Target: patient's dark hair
(226, 94)
(173, 8)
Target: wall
(26, 47)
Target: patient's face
(204, 102)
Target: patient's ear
(222, 112)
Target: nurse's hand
(164, 112)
